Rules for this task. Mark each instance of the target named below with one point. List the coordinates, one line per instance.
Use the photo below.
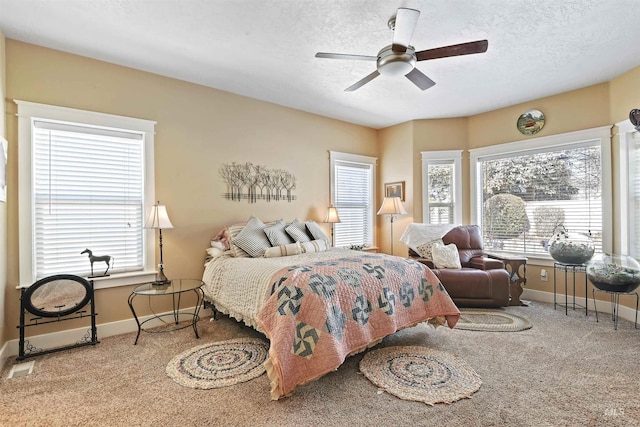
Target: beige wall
(198, 129)
(624, 95)
(566, 112)
(3, 206)
(435, 135)
(395, 163)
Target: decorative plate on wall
(530, 122)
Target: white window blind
(352, 186)
(88, 193)
(442, 187)
(525, 195)
(440, 191)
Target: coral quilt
(318, 313)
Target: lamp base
(161, 279)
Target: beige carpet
(565, 371)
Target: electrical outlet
(543, 275)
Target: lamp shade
(158, 218)
(391, 206)
(332, 215)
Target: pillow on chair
(445, 256)
(425, 250)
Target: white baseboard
(62, 338)
(604, 306)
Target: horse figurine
(103, 258)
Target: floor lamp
(159, 219)
(332, 218)
(392, 206)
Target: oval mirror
(58, 295)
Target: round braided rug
(420, 374)
(219, 364)
(491, 321)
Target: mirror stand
(56, 299)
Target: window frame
(625, 156)
(28, 112)
(336, 156)
(442, 157)
(600, 135)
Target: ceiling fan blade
(420, 79)
(479, 46)
(346, 56)
(362, 82)
(405, 23)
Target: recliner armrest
(485, 263)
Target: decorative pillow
(232, 233)
(298, 231)
(284, 250)
(252, 239)
(445, 256)
(317, 233)
(315, 246)
(425, 249)
(276, 234)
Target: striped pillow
(284, 250)
(315, 246)
(252, 239)
(232, 232)
(276, 234)
(316, 231)
(298, 231)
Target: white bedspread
(239, 287)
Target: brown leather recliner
(482, 281)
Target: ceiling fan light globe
(398, 68)
(392, 63)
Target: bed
(319, 305)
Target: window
(86, 179)
(442, 187)
(352, 190)
(523, 190)
(629, 181)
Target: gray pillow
(252, 239)
(298, 231)
(276, 234)
(233, 231)
(317, 233)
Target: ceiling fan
(399, 58)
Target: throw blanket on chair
(417, 234)
(319, 313)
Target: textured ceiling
(265, 49)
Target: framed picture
(394, 189)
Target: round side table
(175, 288)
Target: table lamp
(332, 218)
(159, 219)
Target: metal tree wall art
(254, 182)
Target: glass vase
(571, 248)
(614, 273)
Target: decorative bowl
(571, 248)
(614, 273)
